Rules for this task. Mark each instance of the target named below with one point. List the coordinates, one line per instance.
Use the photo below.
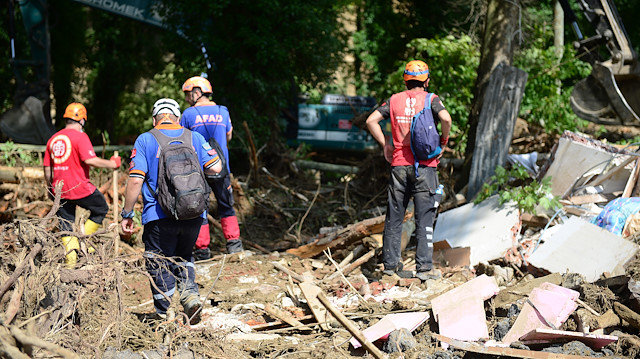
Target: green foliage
(11, 155)
(515, 184)
(452, 62)
(550, 78)
(262, 52)
(134, 116)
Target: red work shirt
(401, 108)
(66, 152)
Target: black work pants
(403, 185)
(94, 203)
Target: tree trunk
(500, 33)
(497, 120)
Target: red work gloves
(117, 160)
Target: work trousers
(168, 246)
(94, 203)
(403, 185)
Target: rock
(400, 340)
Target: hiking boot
(192, 309)
(430, 274)
(234, 246)
(398, 271)
(201, 254)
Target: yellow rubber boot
(90, 227)
(71, 245)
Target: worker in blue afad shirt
(212, 121)
(168, 242)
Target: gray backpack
(182, 190)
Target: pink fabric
(230, 228)
(204, 238)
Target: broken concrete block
(487, 228)
(460, 311)
(576, 155)
(577, 246)
(548, 306)
(389, 323)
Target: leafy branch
(515, 184)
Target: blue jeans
(403, 185)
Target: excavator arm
(611, 93)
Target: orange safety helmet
(75, 111)
(416, 70)
(197, 81)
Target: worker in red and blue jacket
(214, 123)
(406, 181)
(168, 242)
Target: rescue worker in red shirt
(404, 181)
(68, 156)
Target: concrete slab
(576, 155)
(487, 228)
(581, 247)
(548, 306)
(460, 311)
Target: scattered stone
(400, 340)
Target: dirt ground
(254, 306)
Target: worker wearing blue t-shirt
(168, 242)
(212, 121)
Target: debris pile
(557, 285)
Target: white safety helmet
(166, 105)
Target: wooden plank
(603, 177)
(592, 198)
(502, 352)
(310, 292)
(351, 327)
(633, 180)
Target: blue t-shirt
(144, 164)
(210, 121)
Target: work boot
(398, 270)
(71, 246)
(234, 246)
(430, 274)
(192, 307)
(91, 227)
(202, 254)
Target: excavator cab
(611, 93)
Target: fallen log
(16, 174)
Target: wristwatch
(124, 214)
